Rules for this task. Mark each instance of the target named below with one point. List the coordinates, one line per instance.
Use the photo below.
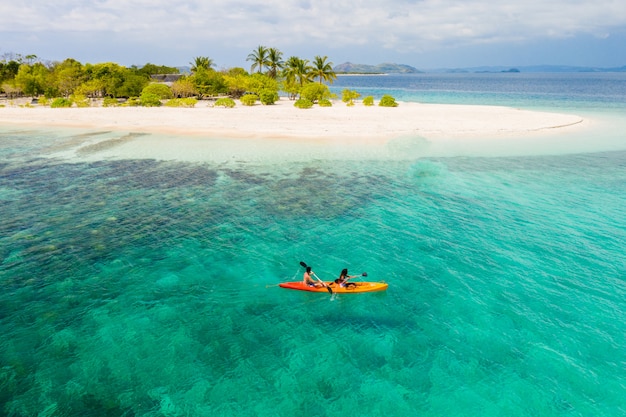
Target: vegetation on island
(72, 83)
(385, 68)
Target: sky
(426, 34)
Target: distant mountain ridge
(389, 68)
(385, 68)
(529, 68)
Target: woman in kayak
(344, 277)
(308, 279)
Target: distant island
(389, 68)
(385, 68)
(530, 68)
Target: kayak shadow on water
(364, 322)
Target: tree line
(28, 76)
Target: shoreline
(283, 120)
(253, 132)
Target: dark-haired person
(307, 278)
(342, 281)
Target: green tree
(234, 71)
(30, 59)
(67, 76)
(209, 83)
(201, 63)
(297, 72)
(91, 88)
(12, 91)
(8, 70)
(32, 79)
(132, 84)
(264, 86)
(151, 69)
(184, 88)
(107, 76)
(116, 80)
(323, 70)
(258, 82)
(274, 62)
(238, 81)
(259, 58)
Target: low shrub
(182, 102)
(303, 103)
(80, 100)
(325, 103)
(110, 102)
(388, 101)
(161, 90)
(131, 102)
(60, 102)
(150, 100)
(268, 96)
(348, 96)
(225, 102)
(368, 101)
(249, 99)
(315, 92)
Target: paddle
(364, 274)
(330, 291)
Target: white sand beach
(337, 126)
(283, 120)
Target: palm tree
(297, 70)
(259, 58)
(323, 69)
(30, 58)
(200, 63)
(274, 62)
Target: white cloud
(397, 25)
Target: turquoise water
(148, 288)
(600, 91)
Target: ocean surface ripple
(149, 288)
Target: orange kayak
(359, 287)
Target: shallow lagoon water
(148, 288)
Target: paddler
(307, 278)
(344, 277)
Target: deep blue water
(530, 90)
(148, 288)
